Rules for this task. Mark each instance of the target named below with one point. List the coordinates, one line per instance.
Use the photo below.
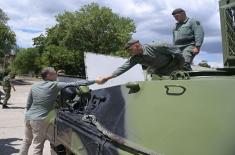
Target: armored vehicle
(187, 113)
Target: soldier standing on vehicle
(41, 100)
(7, 85)
(160, 59)
(188, 36)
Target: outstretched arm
(125, 67)
(103, 79)
(62, 85)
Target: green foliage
(91, 29)
(94, 29)
(3, 17)
(26, 60)
(62, 58)
(39, 42)
(121, 53)
(7, 36)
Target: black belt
(184, 41)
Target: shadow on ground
(21, 82)
(16, 107)
(13, 107)
(7, 146)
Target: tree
(39, 42)
(91, 29)
(62, 58)
(26, 60)
(7, 40)
(3, 17)
(95, 29)
(7, 36)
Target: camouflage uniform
(7, 89)
(186, 36)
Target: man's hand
(102, 79)
(196, 50)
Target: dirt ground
(12, 122)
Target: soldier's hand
(100, 80)
(103, 79)
(196, 50)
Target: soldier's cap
(178, 10)
(130, 43)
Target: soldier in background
(188, 36)
(7, 85)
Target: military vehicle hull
(193, 115)
(170, 117)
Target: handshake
(103, 79)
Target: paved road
(12, 123)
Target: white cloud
(213, 59)
(216, 64)
(24, 39)
(130, 8)
(152, 17)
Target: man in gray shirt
(40, 102)
(161, 59)
(188, 36)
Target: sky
(134, 74)
(153, 19)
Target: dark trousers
(7, 95)
(188, 56)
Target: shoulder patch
(197, 22)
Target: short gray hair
(45, 71)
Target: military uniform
(186, 36)
(160, 59)
(7, 89)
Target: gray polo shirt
(189, 32)
(42, 97)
